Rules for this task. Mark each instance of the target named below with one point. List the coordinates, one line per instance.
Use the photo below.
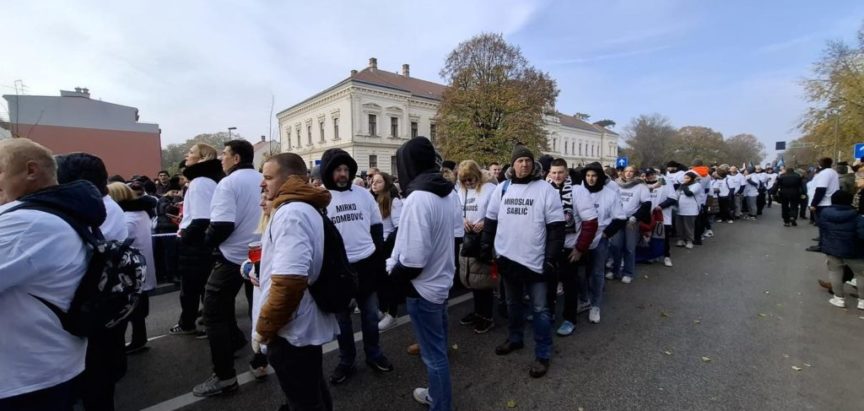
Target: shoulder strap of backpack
(504, 189)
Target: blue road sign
(621, 162)
(859, 150)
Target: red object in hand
(493, 270)
(255, 252)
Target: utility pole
(230, 129)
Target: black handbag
(471, 240)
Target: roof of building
(576, 122)
(415, 86)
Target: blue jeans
(624, 243)
(517, 281)
(430, 327)
(596, 272)
(368, 305)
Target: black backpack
(111, 286)
(337, 282)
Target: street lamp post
(230, 129)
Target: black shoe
(341, 374)
(815, 249)
(508, 347)
(794, 223)
(135, 348)
(539, 368)
(469, 319)
(380, 364)
(502, 310)
(787, 224)
(483, 325)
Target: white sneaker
(356, 310)
(680, 243)
(860, 304)
(421, 395)
(386, 323)
(609, 275)
(688, 245)
(838, 302)
(560, 289)
(853, 282)
(594, 315)
(380, 315)
(730, 221)
(626, 279)
(667, 262)
(709, 233)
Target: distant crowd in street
(537, 237)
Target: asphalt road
(738, 323)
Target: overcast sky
(203, 66)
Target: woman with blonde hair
(474, 193)
(203, 170)
(138, 223)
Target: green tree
(495, 99)
(835, 120)
(698, 143)
(743, 148)
(173, 154)
(650, 140)
(605, 123)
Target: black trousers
(725, 207)
(760, 202)
(789, 209)
(802, 205)
(572, 281)
(219, 295)
(300, 374)
(138, 319)
(104, 366)
(193, 278)
(60, 397)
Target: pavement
(738, 323)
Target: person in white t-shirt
(138, 224)
(580, 227)
(687, 197)
(234, 217)
(390, 205)
(770, 182)
(735, 182)
(474, 272)
(825, 183)
(610, 219)
(285, 317)
(760, 177)
(721, 189)
(636, 203)
(423, 261)
(106, 359)
(750, 192)
(40, 256)
(526, 225)
(194, 258)
(662, 199)
(355, 214)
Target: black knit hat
(520, 151)
(546, 161)
(174, 183)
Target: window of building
(321, 129)
(580, 148)
(298, 137)
(433, 131)
(373, 125)
(554, 144)
(394, 126)
(288, 137)
(336, 128)
(373, 160)
(392, 164)
(565, 147)
(309, 134)
(413, 129)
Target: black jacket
(841, 231)
(790, 186)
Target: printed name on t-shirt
(523, 203)
(341, 218)
(626, 196)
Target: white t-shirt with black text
(473, 204)
(608, 206)
(238, 200)
(522, 214)
(196, 201)
(293, 244)
(583, 210)
(633, 197)
(354, 212)
(828, 179)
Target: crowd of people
(530, 234)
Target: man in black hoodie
(46, 357)
(355, 214)
(423, 262)
(525, 226)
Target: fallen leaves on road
(807, 365)
(697, 321)
(667, 352)
(767, 292)
(785, 355)
(706, 359)
(796, 368)
(664, 314)
(511, 404)
(455, 347)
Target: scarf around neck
(296, 189)
(566, 193)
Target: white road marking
(246, 377)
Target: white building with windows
(372, 112)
